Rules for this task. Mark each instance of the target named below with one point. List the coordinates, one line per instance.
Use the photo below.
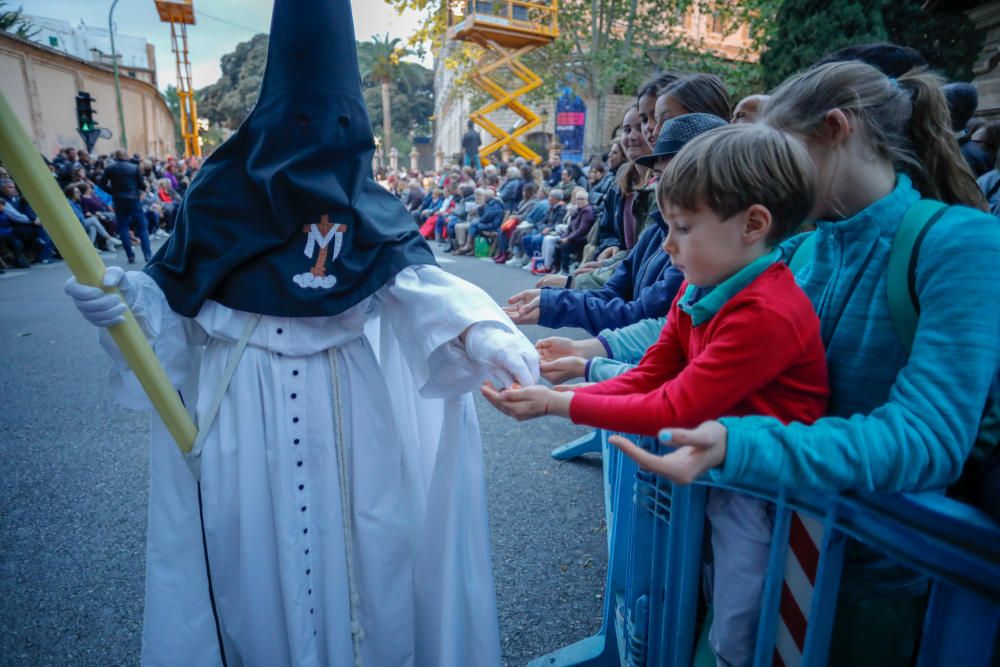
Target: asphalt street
(73, 495)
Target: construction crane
(506, 30)
(180, 14)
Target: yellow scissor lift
(180, 14)
(506, 30)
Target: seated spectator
(25, 225)
(9, 238)
(489, 220)
(531, 224)
(532, 239)
(510, 192)
(95, 206)
(572, 240)
(444, 229)
(512, 221)
(458, 232)
(170, 201)
(89, 222)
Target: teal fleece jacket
(895, 424)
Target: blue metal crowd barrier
(655, 538)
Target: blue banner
(571, 118)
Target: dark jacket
(555, 177)
(644, 286)
(123, 180)
(553, 217)
(492, 215)
(21, 205)
(511, 193)
(580, 225)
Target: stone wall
(41, 85)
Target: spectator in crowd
(531, 239)
(489, 220)
(510, 193)
(169, 200)
(962, 103)
(646, 103)
(89, 222)
(470, 146)
(12, 240)
(444, 229)
(92, 205)
(25, 225)
(748, 109)
(512, 221)
(555, 172)
(572, 240)
(124, 181)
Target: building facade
(41, 84)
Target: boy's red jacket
(760, 354)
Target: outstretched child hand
(563, 369)
(698, 451)
(528, 402)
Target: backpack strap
(803, 253)
(901, 281)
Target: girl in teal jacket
(895, 423)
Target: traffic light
(85, 124)
(85, 112)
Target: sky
(221, 25)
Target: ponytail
(942, 171)
(905, 120)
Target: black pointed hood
(284, 218)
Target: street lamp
(545, 123)
(118, 85)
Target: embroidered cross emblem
(320, 234)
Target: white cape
(270, 491)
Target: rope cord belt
(357, 632)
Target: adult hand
(510, 356)
(528, 402)
(525, 307)
(566, 368)
(698, 451)
(552, 280)
(608, 253)
(99, 307)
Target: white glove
(511, 357)
(101, 308)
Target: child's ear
(757, 224)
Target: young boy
(740, 339)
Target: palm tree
(380, 63)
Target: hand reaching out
(525, 307)
(528, 402)
(557, 347)
(698, 451)
(563, 369)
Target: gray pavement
(73, 491)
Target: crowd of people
(121, 200)
(672, 250)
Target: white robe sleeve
(170, 334)
(428, 309)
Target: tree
(805, 30)
(412, 102)
(229, 100)
(12, 20)
(808, 29)
(380, 62)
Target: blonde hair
(734, 167)
(906, 122)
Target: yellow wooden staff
(25, 164)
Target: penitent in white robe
(271, 495)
